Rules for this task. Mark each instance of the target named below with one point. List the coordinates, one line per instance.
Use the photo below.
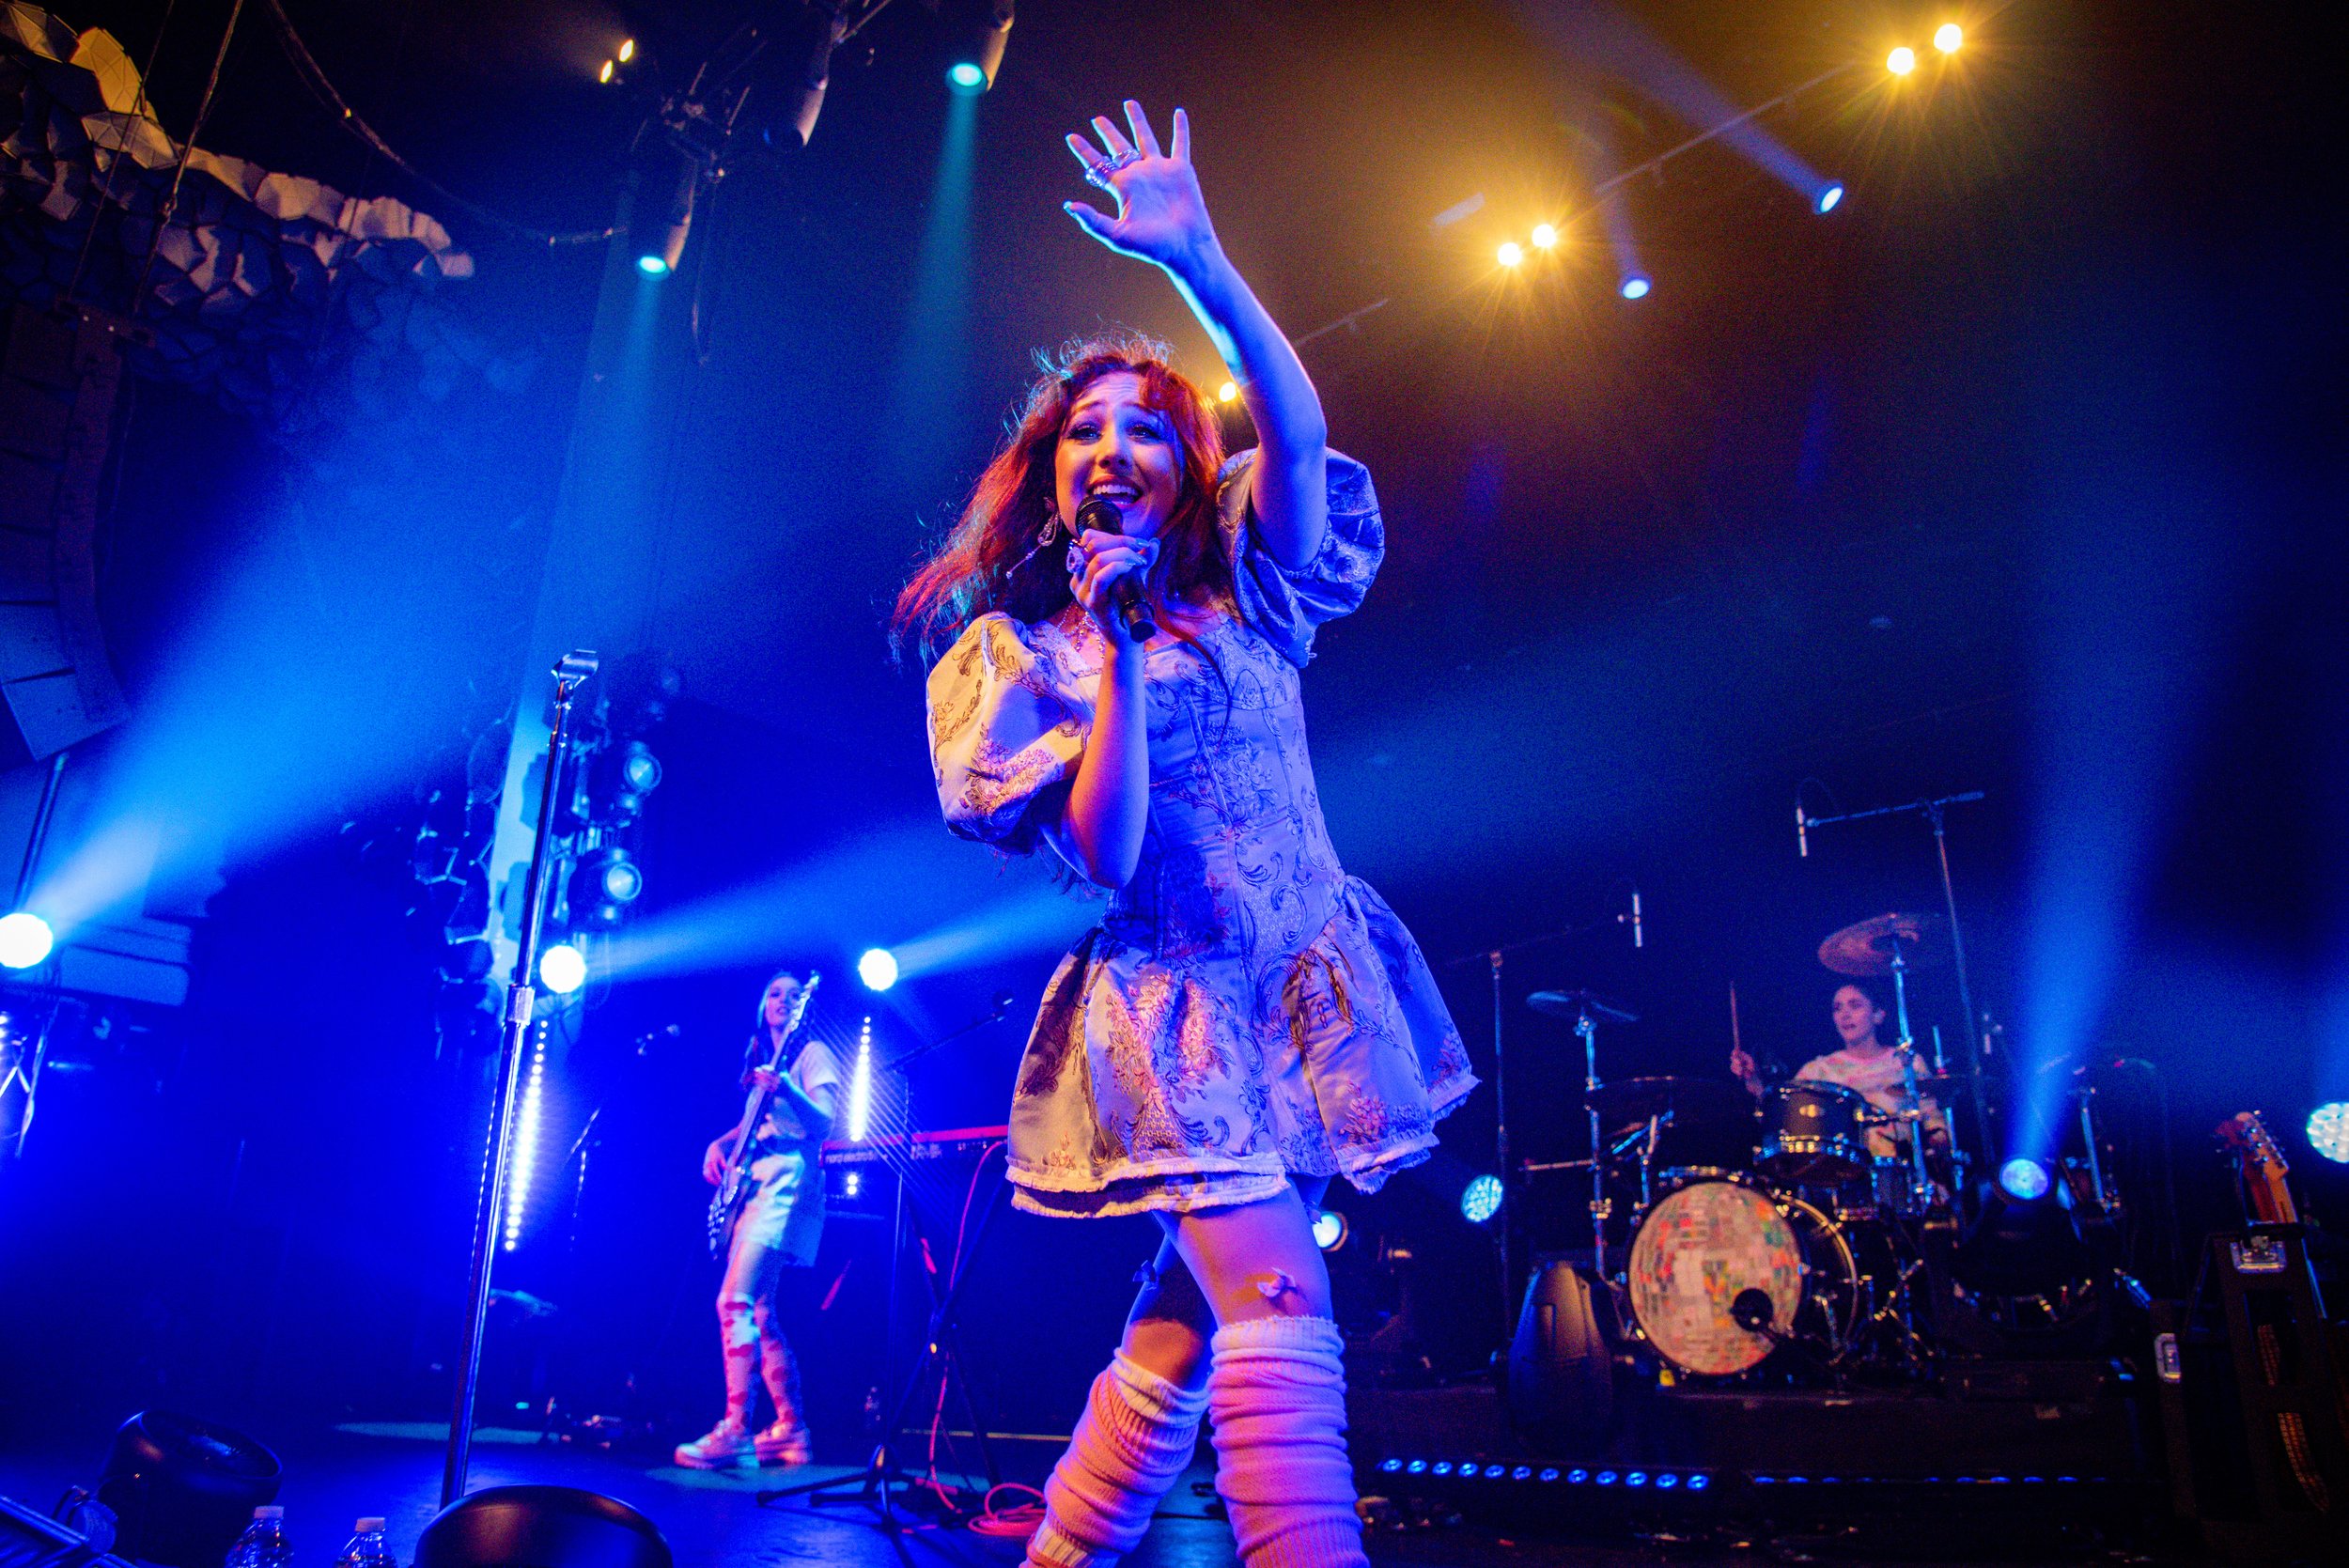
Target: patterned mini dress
(1246, 1013)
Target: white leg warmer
(1138, 1434)
(1278, 1396)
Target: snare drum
(1884, 1190)
(1716, 1234)
(1813, 1132)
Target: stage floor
(715, 1521)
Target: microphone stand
(570, 672)
(1932, 810)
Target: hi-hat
(1867, 948)
(1573, 1004)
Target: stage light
(1946, 36)
(522, 1158)
(978, 52)
(1329, 1230)
(1828, 198)
(1481, 1199)
(861, 1087)
(627, 50)
(652, 266)
(1545, 236)
(608, 71)
(1636, 288)
(1510, 254)
(25, 940)
(562, 968)
(2024, 1180)
(1901, 61)
(605, 882)
(1227, 393)
(2328, 1128)
(877, 968)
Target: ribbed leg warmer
(1138, 1434)
(1278, 1396)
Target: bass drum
(1714, 1237)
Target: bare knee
(1175, 1350)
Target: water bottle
(366, 1548)
(263, 1545)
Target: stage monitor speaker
(540, 1526)
(1561, 1362)
(183, 1490)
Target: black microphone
(1802, 831)
(1752, 1309)
(1126, 593)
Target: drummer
(1864, 1063)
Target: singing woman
(780, 1227)
(1247, 1020)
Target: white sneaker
(724, 1447)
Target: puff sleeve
(1287, 605)
(1005, 724)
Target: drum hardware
(1586, 1009)
(1715, 1234)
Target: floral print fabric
(1246, 1011)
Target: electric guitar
(2264, 1167)
(734, 1184)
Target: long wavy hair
(992, 559)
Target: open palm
(1162, 216)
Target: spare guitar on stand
(734, 1185)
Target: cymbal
(1570, 1004)
(1689, 1100)
(1866, 947)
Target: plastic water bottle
(263, 1545)
(366, 1548)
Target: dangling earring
(1052, 528)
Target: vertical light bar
(525, 1158)
(860, 1086)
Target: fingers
(1182, 136)
(1145, 138)
(1111, 138)
(1086, 154)
(1091, 219)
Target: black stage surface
(714, 1521)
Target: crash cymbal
(1689, 1100)
(1867, 947)
(1570, 1004)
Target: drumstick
(1736, 1044)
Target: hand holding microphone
(1104, 565)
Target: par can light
(562, 968)
(877, 968)
(2327, 1128)
(2024, 1180)
(1481, 1199)
(25, 940)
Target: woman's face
(1856, 1016)
(776, 1007)
(1116, 446)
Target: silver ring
(1078, 559)
(1099, 174)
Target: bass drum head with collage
(1696, 1250)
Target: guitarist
(779, 1228)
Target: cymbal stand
(1586, 1029)
(1919, 1179)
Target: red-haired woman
(1246, 1021)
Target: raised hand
(1162, 216)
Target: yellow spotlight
(627, 50)
(1510, 254)
(1227, 393)
(605, 74)
(1901, 61)
(1545, 236)
(1946, 36)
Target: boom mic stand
(571, 671)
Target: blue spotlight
(2328, 1124)
(653, 266)
(562, 968)
(1636, 288)
(1828, 198)
(877, 968)
(2026, 1181)
(967, 76)
(25, 940)
(1329, 1230)
(1481, 1199)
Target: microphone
(667, 1031)
(1004, 1002)
(1802, 831)
(1751, 1309)
(1133, 611)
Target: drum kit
(1812, 1257)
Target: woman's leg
(786, 1441)
(1139, 1430)
(750, 1269)
(1277, 1385)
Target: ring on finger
(1078, 559)
(1099, 174)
